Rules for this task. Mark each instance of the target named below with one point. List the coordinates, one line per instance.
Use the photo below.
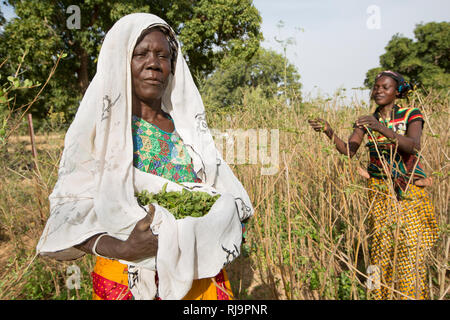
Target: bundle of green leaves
(180, 204)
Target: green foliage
(264, 72)
(316, 277)
(2, 18)
(207, 29)
(212, 29)
(180, 204)
(345, 287)
(45, 280)
(424, 62)
(40, 284)
(10, 87)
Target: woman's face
(384, 91)
(151, 67)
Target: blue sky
(336, 47)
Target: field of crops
(309, 236)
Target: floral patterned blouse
(161, 153)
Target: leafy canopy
(425, 62)
(267, 70)
(207, 29)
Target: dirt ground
(43, 142)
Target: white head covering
(97, 181)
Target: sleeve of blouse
(415, 115)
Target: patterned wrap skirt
(110, 282)
(402, 232)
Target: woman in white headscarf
(141, 125)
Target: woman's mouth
(153, 81)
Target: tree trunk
(83, 75)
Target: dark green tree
(208, 30)
(266, 70)
(2, 18)
(425, 60)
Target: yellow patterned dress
(163, 154)
(401, 217)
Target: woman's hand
(320, 125)
(363, 173)
(369, 122)
(348, 149)
(141, 242)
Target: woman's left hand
(320, 125)
(369, 122)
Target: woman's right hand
(320, 125)
(141, 242)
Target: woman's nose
(152, 61)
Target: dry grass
(308, 238)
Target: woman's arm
(350, 148)
(107, 246)
(409, 143)
(141, 243)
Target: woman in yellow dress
(401, 217)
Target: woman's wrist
(110, 247)
(329, 132)
(122, 250)
(141, 243)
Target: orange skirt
(110, 282)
